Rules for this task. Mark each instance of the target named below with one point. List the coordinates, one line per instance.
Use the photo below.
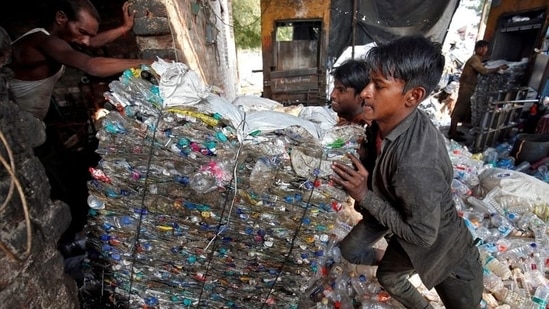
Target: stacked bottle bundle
(187, 211)
(491, 84)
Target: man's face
(383, 98)
(345, 100)
(82, 30)
(482, 51)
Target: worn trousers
(462, 289)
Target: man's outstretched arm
(108, 36)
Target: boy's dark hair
(413, 59)
(353, 73)
(71, 8)
(481, 43)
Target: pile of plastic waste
(196, 202)
(506, 211)
(201, 202)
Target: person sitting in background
(410, 199)
(39, 56)
(349, 80)
(467, 85)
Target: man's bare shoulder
(33, 40)
(29, 58)
(37, 46)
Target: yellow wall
(274, 10)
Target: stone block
(150, 26)
(161, 53)
(155, 42)
(144, 8)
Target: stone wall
(31, 267)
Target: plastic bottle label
(542, 303)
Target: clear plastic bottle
(504, 226)
(342, 227)
(539, 228)
(495, 266)
(541, 297)
(342, 284)
(523, 166)
(340, 299)
(542, 173)
(512, 217)
(360, 285)
(516, 205)
(519, 250)
(486, 234)
(460, 189)
(484, 207)
(490, 156)
(459, 203)
(524, 221)
(535, 278)
(492, 282)
(372, 304)
(514, 299)
(519, 281)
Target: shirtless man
(40, 56)
(38, 60)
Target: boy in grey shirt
(403, 185)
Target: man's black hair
(481, 43)
(71, 8)
(413, 59)
(353, 73)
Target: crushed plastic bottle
(95, 203)
(504, 226)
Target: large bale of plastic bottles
(199, 202)
(195, 203)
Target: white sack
(179, 85)
(516, 189)
(269, 121)
(250, 103)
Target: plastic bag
(179, 85)
(515, 188)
